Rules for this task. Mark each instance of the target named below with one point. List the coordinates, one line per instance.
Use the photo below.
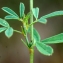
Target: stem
(31, 55)
(31, 19)
(32, 23)
(31, 33)
(27, 39)
(18, 31)
(24, 42)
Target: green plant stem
(31, 55)
(31, 21)
(31, 18)
(26, 37)
(17, 31)
(24, 42)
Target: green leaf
(11, 17)
(54, 39)
(27, 17)
(36, 35)
(22, 9)
(42, 20)
(2, 29)
(44, 49)
(9, 11)
(35, 12)
(9, 32)
(56, 13)
(4, 23)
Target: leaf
(9, 11)
(4, 23)
(36, 35)
(22, 9)
(11, 17)
(35, 12)
(9, 32)
(42, 20)
(2, 29)
(56, 13)
(27, 17)
(54, 39)
(44, 49)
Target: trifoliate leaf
(44, 49)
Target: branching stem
(32, 23)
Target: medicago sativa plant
(27, 28)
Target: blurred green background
(13, 50)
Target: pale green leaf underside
(2, 29)
(56, 13)
(11, 17)
(4, 23)
(35, 12)
(42, 20)
(44, 49)
(54, 39)
(9, 32)
(22, 9)
(9, 11)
